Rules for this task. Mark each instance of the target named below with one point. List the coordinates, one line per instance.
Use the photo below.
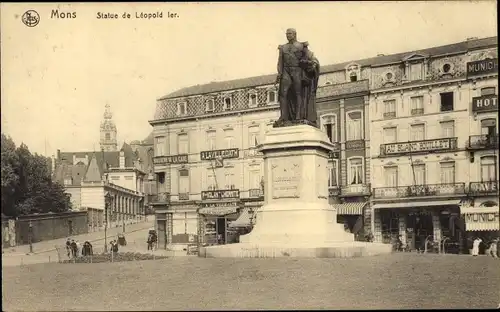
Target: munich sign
(220, 194)
(471, 217)
(175, 159)
(485, 103)
(421, 146)
(224, 154)
(482, 67)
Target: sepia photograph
(333, 155)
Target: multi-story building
(88, 176)
(423, 133)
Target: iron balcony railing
(417, 111)
(355, 190)
(333, 191)
(415, 147)
(183, 196)
(483, 188)
(484, 141)
(419, 190)
(390, 115)
(160, 198)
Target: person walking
(475, 246)
(493, 250)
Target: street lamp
(30, 236)
(107, 198)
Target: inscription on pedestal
(285, 179)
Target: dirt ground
(397, 281)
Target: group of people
(491, 251)
(73, 248)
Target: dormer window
(181, 109)
(416, 71)
(272, 97)
(353, 72)
(252, 99)
(353, 77)
(228, 104)
(209, 106)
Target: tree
(27, 186)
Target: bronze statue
(298, 73)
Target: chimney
(122, 159)
(74, 159)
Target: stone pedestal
(296, 219)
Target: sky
(57, 77)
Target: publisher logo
(31, 18)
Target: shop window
(446, 101)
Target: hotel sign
(175, 159)
(420, 146)
(482, 67)
(223, 154)
(220, 194)
(485, 103)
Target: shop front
(419, 222)
(481, 220)
(351, 215)
(217, 210)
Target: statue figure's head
(291, 34)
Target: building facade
(422, 125)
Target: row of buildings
(114, 186)
(416, 138)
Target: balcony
(255, 193)
(333, 191)
(183, 196)
(480, 142)
(486, 188)
(160, 198)
(448, 189)
(418, 147)
(389, 115)
(355, 190)
(417, 111)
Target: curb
(91, 241)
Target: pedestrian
(475, 246)
(150, 242)
(68, 247)
(493, 251)
(74, 248)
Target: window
(391, 176)
(417, 105)
(211, 140)
(329, 125)
(390, 109)
(228, 104)
(229, 179)
(416, 71)
(356, 171)
(182, 144)
(161, 177)
(448, 129)
(160, 146)
(209, 106)
(181, 109)
(254, 179)
(417, 132)
(211, 180)
(229, 141)
(253, 134)
(353, 77)
(107, 136)
(488, 91)
(252, 99)
(332, 174)
(448, 172)
(183, 181)
(390, 135)
(488, 169)
(271, 96)
(489, 127)
(354, 126)
(446, 101)
(419, 174)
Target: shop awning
(243, 220)
(413, 204)
(350, 208)
(481, 218)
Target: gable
(93, 173)
(415, 57)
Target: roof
(374, 61)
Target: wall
(50, 226)
(126, 179)
(76, 196)
(93, 196)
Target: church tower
(108, 140)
